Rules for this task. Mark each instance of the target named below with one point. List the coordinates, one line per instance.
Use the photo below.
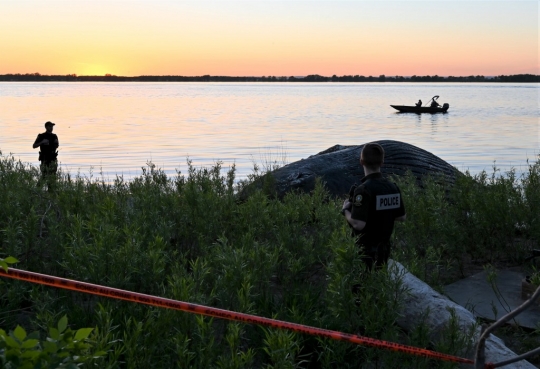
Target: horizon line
(37, 74)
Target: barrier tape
(115, 293)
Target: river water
(110, 129)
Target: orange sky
(281, 38)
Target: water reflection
(119, 127)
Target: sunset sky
(280, 38)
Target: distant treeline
(37, 77)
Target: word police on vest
(385, 202)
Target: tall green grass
(188, 237)
(481, 219)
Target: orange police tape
(95, 289)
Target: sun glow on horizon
(279, 38)
(86, 69)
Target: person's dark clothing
(48, 168)
(48, 154)
(378, 202)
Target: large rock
(339, 167)
(421, 303)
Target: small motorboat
(431, 107)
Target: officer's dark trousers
(373, 258)
(48, 173)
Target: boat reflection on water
(431, 107)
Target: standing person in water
(48, 144)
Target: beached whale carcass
(339, 167)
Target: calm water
(115, 128)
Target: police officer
(47, 143)
(373, 207)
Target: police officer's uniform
(378, 202)
(48, 154)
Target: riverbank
(188, 238)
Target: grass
(188, 238)
(480, 220)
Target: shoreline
(37, 77)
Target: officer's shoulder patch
(358, 200)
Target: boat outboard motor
(445, 106)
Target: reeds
(189, 238)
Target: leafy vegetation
(478, 220)
(189, 238)
(63, 348)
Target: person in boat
(419, 103)
(372, 208)
(434, 104)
